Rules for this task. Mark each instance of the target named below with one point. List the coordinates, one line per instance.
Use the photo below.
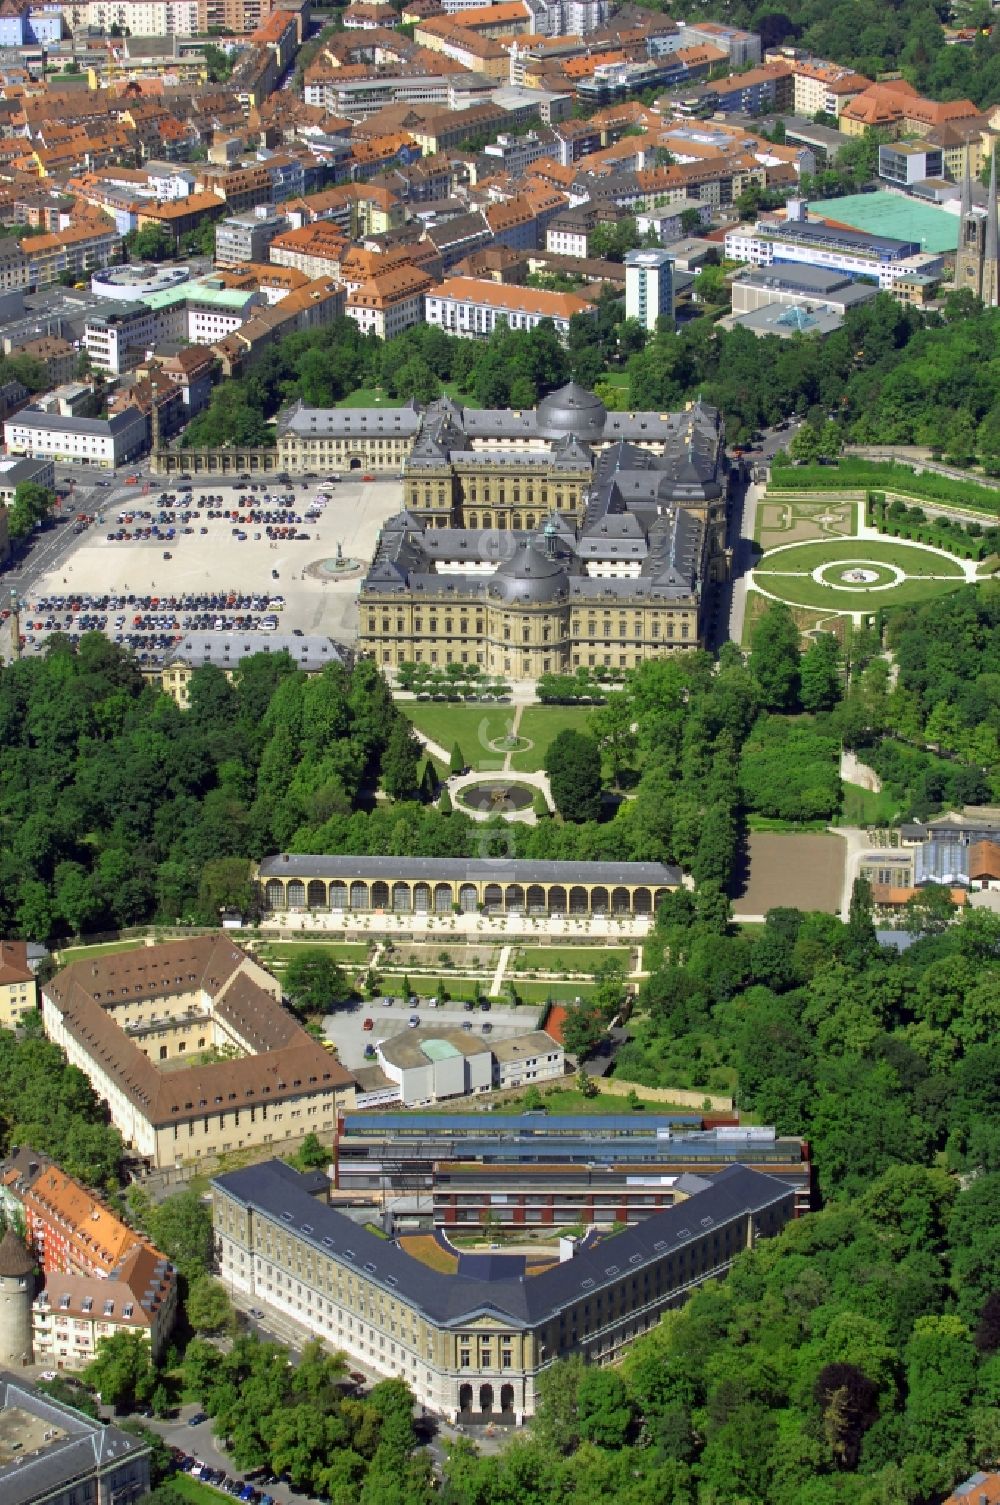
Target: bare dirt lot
(803, 870)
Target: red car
(368, 1024)
(368, 478)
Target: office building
(255, 1077)
(471, 1344)
(649, 287)
(875, 258)
(102, 442)
(553, 1169)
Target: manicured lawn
(74, 953)
(461, 988)
(473, 727)
(283, 951)
(368, 397)
(801, 558)
(569, 958)
(862, 808)
(195, 1491)
(855, 474)
(540, 724)
(786, 573)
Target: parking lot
(272, 544)
(346, 1027)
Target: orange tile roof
(517, 299)
(583, 67)
(94, 1235)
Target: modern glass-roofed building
(553, 1170)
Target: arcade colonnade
(443, 886)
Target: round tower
(17, 1270)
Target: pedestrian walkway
(497, 984)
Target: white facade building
(470, 307)
(145, 18)
(649, 287)
(118, 337)
(104, 442)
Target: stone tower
(971, 238)
(977, 264)
(990, 285)
(17, 1269)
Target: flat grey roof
(497, 869)
(273, 1190)
(406, 1050)
(81, 1448)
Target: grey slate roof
(60, 423)
(86, 1447)
(324, 422)
(463, 869)
(227, 649)
(272, 1189)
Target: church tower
(971, 241)
(990, 288)
(977, 262)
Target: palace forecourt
(289, 883)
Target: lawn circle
(510, 743)
(858, 574)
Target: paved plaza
(217, 561)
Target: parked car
(197, 1419)
(368, 1024)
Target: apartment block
(471, 309)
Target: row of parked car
(238, 1488)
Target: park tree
(182, 1227)
(574, 767)
(122, 1371)
(820, 677)
(774, 658)
(209, 1309)
(32, 504)
(151, 243)
(929, 911)
(603, 1407)
(400, 761)
(313, 982)
(457, 761)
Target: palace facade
(548, 541)
(446, 885)
(544, 541)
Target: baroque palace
(543, 541)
